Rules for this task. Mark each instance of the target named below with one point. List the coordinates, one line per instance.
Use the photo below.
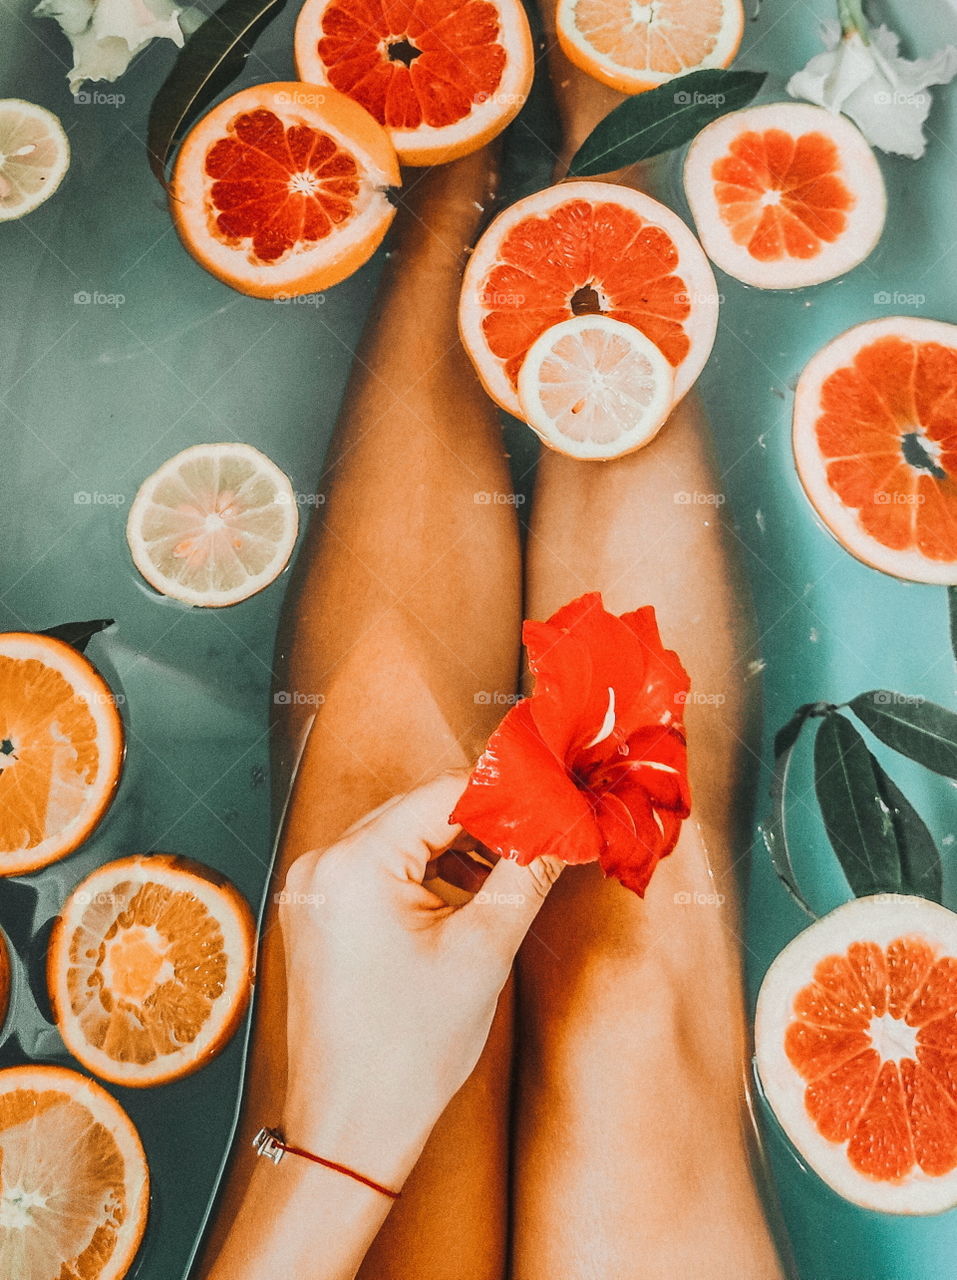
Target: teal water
(95, 394)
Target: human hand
(391, 992)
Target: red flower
(593, 766)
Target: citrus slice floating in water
(281, 190)
(74, 1183)
(875, 441)
(34, 156)
(150, 968)
(593, 387)
(214, 525)
(632, 45)
(856, 1041)
(785, 195)
(442, 76)
(61, 750)
(582, 248)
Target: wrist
(366, 1134)
(286, 1208)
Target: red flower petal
(594, 764)
(657, 761)
(632, 842)
(600, 677)
(665, 678)
(670, 829)
(521, 802)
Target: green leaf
(669, 116)
(952, 608)
(858, 823)
(774, 831)
(921, 869)
(211, 59)
(922, 730)
(78, 634)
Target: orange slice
(442, 76)
(282, 189)
(150, 968)
(213, 525)
(585, 248)
(74, 1183)
(61, 750)
(632, 45)
(593, 387)
(856, 1039)
(785, 195)
(875, 442)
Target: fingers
(505, 907)
(412, 828)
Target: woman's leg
(632, 1143)
(401, 636)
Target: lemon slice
(34, 156)
(214, 525)
(594, 387)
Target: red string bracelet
(271, 1144)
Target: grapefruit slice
(585, 248)
(875, 442)
(282, 189)
(856, 1038)
(149, 968)
(442, 76)
(61, 750)
(594, 387)
(34, 156)
(213, 525)
(74, 1183)
(785, 195)
(632, 45)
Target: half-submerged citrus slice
(282, 189)
(594, 387)
(633, 45)
(214, 525)
(875, 441)
(74, 1182)
(150, 968)
(34, 156)
(785, 195)
(442, 76)
(583, 248)
(856, 1039)
(61, 750)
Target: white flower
(107, 34)
(886, 96)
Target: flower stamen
(607, 725)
